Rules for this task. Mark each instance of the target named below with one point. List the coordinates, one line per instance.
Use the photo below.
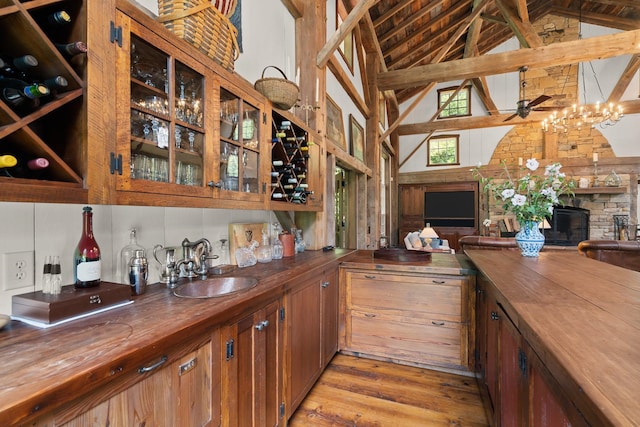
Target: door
(346, 203)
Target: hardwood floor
(361, 392)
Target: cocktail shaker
(138, 272)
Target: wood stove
(569, 226)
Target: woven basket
(281, 92)
(202, 25)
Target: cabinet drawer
(434, 342)
(430, 294)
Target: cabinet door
(242, 122)
(304, 351)
(251, 370)
(182, 393)
(512, 375)
(330, 315)
(164, 124)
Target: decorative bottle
(86, 259)
(264, 252)
(126, 254)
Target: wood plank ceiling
(412, 34)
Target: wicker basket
(202, 25)
(281, 92)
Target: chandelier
(583, 115)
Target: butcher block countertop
(43, 369)
(582, 318)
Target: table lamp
(427, 235)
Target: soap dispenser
(126, 254)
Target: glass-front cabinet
(239, 146)
(169, 138)
(181, 134)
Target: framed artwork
(346, 46)
(335, 124)
(357, 138)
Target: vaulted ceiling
(421, 42)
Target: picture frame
(356, 132)
(335, 124)
(346, 46)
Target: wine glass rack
(289, 161)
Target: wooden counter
(582, 319)
(43, 369)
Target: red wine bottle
(70, 50)
(86, 259)
(20, 96)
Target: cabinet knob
(260, 326)
(325, 284)
(214, 184)
(494, 316)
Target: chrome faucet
(194, 258)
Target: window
(459, 106)
(442, 150)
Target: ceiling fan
(525, 106)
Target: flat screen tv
(450, 208)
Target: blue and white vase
(529, 239)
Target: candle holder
(595, 174)
(306, 107)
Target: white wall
(54, 229)
(476, 146)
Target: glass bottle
(300, 243)
(126, 254)
(20, 96)
(264, 252)
(46, 275)
(56, 276)
(277, 251)
(86, 259)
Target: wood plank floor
(362, 392)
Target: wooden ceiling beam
(627, 75)
(477, 122)
(523, 30)
(482, 89)
(612, 21)
(601, 47)
(397, 29)
(391, 12)
(441, 22)
(345, 29)
(295, 7)
(473, 35)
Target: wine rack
(54, 129)
(289, 162)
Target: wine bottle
(32, 168)
(7, 161)
(86, 262)
(20, 96)
(70, 50)
(53, 23)
(18, 67)
(59, 18)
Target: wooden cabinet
(517, 387)
(312, 326)
(182, 131)
(54, 130)
(186, 392)
(416, 318)
(252, 393)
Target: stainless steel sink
(215, 287)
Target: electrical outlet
(18, 270)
